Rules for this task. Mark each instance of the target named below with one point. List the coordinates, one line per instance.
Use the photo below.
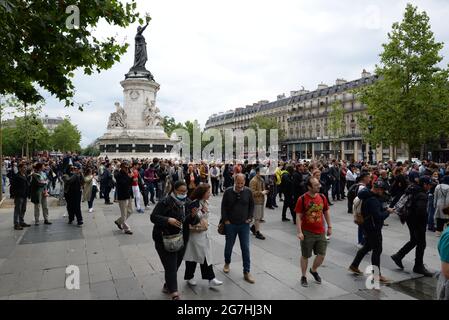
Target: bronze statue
(140, 56)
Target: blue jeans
(3, 182)
(361, 236)
(431, 212)
(242, 230)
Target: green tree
(66, 137)
(90, 151)
(169, 124)
(268, 124)
(408, 103)
(336, 125)
(39, 48)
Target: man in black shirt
(237, 208)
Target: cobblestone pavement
(118, 266)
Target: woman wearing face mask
(170, 219)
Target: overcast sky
(212, 56)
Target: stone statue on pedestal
(151, 114)
(117, 119)
(138, 70)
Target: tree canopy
(409, 101)
(66, 137)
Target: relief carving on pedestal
(117, 119)
(151, 114)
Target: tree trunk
(421, 153)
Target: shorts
(313, 242)
(258, 211)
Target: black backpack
(352, 192)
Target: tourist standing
(214, 178)
(39, 194)
(87, 188)
(135, 187)
(74, 184)
(441, 203)
(199, 246)
(150, 178)
(19, 191)
(107, 183)
(237, 209)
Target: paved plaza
(118, 266)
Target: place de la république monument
(135, 130)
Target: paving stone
(99, 272)
(104, 290)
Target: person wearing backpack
(311, 210)
(373, 216)
(416, 220)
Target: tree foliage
(409, 102)
(268, 124)
(40, 49)
(66, 137)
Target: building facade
(305, 118)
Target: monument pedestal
(135, 131)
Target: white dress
(199, 244)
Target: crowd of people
(180, 192)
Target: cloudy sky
(212, 56)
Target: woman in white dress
(198, 248)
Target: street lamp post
(370, 152)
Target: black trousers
(144, 193)
(289, 203)
(90, 203)
(417, 239)
(373, 242)
(74, 206)
(207, 271)
(440, 224)
(342, 188)
(214, 182)
(107, 191)
(171, 262)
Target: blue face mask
(181, 197)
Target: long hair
(200, 191)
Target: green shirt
(443, 246)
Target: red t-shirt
(313, 218)
(135, 178)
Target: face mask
(181, 197)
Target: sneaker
(248, 277)
(285, 219)
(262, 221)
(18, 227)
(316, 276)
(24, 225)
(80, 224)
(148, 207)
(422, 270)
(275, 205)
(118, 225)
(359, 246)
(70, 222)
(260, 236)
(304, 282)
(128, 232)
(215, 283)
(191, 282)
(36, 223)
(91, 210)
(226, 268)
(355, 270)
(47, 222)
(253, 229)
(398, 261)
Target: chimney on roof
(281, 96)
(365, 74)
(302, 91)
(322, 86)
(340, 81)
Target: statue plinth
(135, 130)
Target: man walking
(107, 183)
(257, 186)
(124, 180)
(287, 189)
(73, 194)
(417, 224)
(214, 176)
(312, 209)
(374, 216)
(237, 208)
(19, 191)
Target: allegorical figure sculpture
(117, 119)
(151, 114)
(140, 55)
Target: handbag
(221, 228)
(173, 242)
